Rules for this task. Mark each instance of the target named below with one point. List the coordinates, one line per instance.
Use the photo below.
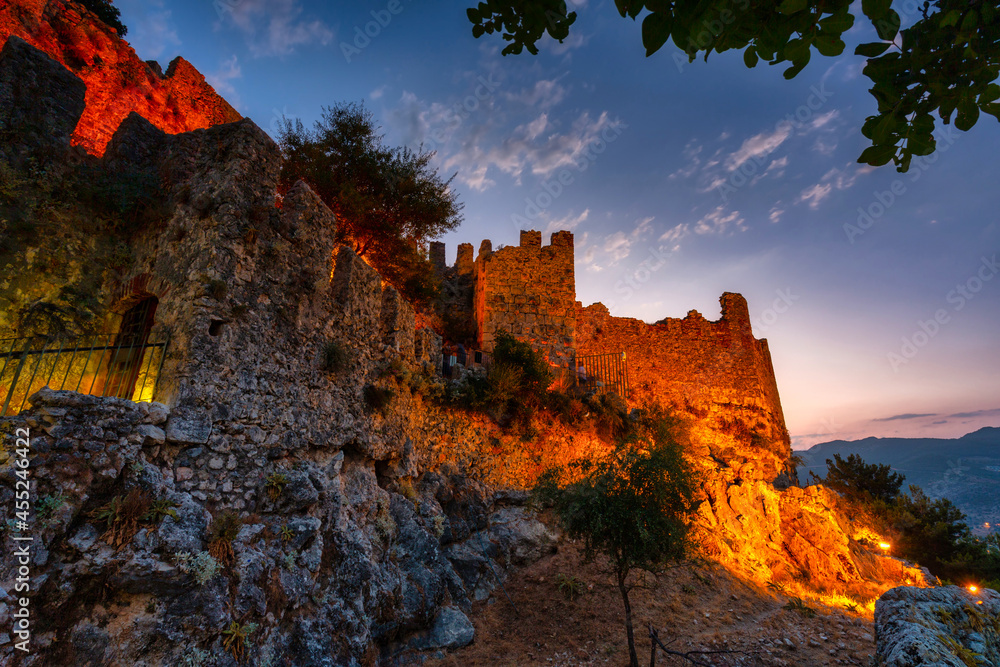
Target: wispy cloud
(273, 27)
(758, 146)
(222, 78)
(720, 221)
(906, 415)
(151, 28)
(976, 413)
(544, 94)
(835, 179)
(568, 222)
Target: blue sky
(877, 291)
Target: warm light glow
(884, 546)
(973, 589)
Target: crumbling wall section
(118, 82)
(528, 291)
(715, 371)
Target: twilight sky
(877, 291)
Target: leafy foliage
(852, 476)
(124, 516)
(630, 506)
(108, 13)
(946, 61)
(931, 532)
(388, 200)
(513, 388)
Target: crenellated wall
(117, 81)
(694, 364)
(528, 291)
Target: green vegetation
(569, 585)
(275, 483)
(853, 477)
(796, 604)
(202, 566)
(630, 506)
(513, 388)
(946, 60)
(335, 357)
(929, 532)
(108, 13)
(236, 639)
(221, 533)
(389, 201)
(377, 398)
(124, 516)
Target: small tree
(629, 506)
(388, 201)
(853, 477)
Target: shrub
(202, 566)
(217, 289)
(377, 399)
(221, 533)
(335, 357)
(275, 484)
(237, 639)
(124, 515)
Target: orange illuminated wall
(528, 291)
(118, 82)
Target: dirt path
(692, 608)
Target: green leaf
(837, 24)
(877, 156)
(872, 49)
(750, 57)
(474, 15)
(655, 31)
(792, 6)
(885, 129)
(888, 25)
(875, 9)
(951, 18)
(968, 114)
(991, 94)
(829, 46)
(478, 30)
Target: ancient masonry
(692, 363)
(117, 81)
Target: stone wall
(528, 291)
(715, 370)
(118, 82)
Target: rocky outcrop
(946, 627)
(324, 564)
(29, 79)
(117, 81)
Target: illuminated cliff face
(118, 82)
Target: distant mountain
(965, 470)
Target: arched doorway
(130, 343)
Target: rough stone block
(189, 430)
(398, 322)
(40, 100)
(357, 288)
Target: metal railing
(603, 373)
(100, 365)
